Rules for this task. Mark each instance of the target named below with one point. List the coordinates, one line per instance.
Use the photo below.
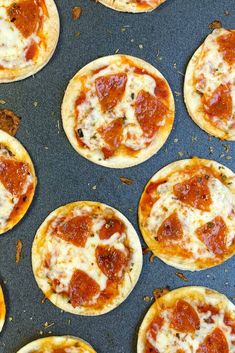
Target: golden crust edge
(133, 8)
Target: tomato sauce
(75, 230)
(110, 90)
(227, 47)
(184, 317)
(219, 104)
(213, 234)
(194, 192)
(170, 229)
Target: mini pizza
(2, 309)
(17, 181)
(86, 258)
(187, 214)
(132, 5)
(29, 32)
(209, 88)
(58, 344)
(190, 319)
(118, 111)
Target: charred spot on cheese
(112, 135)
(213, 235)
(82, 288)
(111, 261)
(194, 192)
(219, 104)
(13, 175)
(110, 90)
(9, 121)
(112, 225)
(170, 229)
(26, 16)
(184, 317)
(149, 111)
(227, 46)
(215, 342)
(75, 230)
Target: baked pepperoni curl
(86, 258)
(118, 111)
(190, 319)
(58, 344)
(33, 29)
(209, 84)
(17, 181)
(187, 214)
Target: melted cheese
(168, 342)
(216, 71)
(91, 117)
(13, 44)
(223, 202)
(66, 257)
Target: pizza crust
(192, 100)
(162, 174)
(130, 278)
(130, 6)
(2, 309)
(51, 27)
(170, 298)
(20, 154)
(72, 92)
(56, 342)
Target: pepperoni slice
(76, 230)
(213, 235)
(215, 342)
(111, 226)
(229, 322)
(227, 47)
(112, 135)
(111, 261)
(219, 104)
(152, 332)
(184, 317)
(82, 288)
(110, 90)
(194, 192)
(25, 15)
(205, 308)
(13, 175)
(149, 111)
(31, 51)
(170, 229)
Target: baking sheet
(166, 38)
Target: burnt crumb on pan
(19, 247)
(76, 12)
(43, 299)
(215, 24)
(126, 181)
(226, 13)
(159, 292)
(182, 276)
(9, 121)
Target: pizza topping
(112, 135)
(227, 46)
(170, 229)
(31, 51)
(194, 192)
(111, 226)
(154, 327)
(184, 317)
(213, 235)
(215, 342)
(229, 322)
(150, 112)
(208, 308)
(82, 288)
(75, 230)
(110, 90)
(150, 349)
(25, 15)
(111, 261)
(9, 121)
(219, 104)
(13, 175)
